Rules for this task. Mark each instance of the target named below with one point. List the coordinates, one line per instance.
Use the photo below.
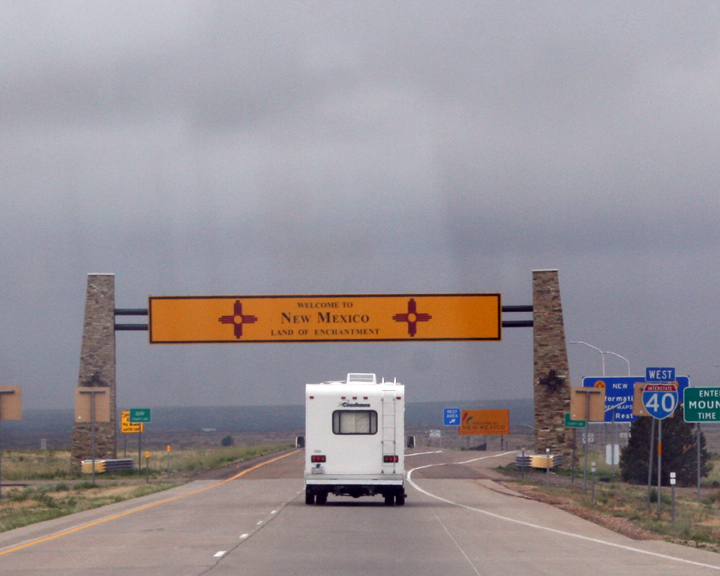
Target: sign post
(87, 408)
(11, 409)
(139, 416)
(660, 400)
(697, 430)
(650, 462)
(593, 411)
(701, 405)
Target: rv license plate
(318, 470)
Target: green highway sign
(702, 404)
(569, 423)
(139, 415)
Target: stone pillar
(552, 374)
(97, 367)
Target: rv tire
(321, 498)
(400, 499)
(389, 499)
(309, 496)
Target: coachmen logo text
(353, 405)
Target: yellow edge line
(147, 506)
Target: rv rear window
(355, 422)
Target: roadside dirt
(614, 523)
(287, 470)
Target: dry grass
(25, 505)
(42, 486)
(22, 465)
(35, 465)
(623, 507)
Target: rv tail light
(317, 458)
(390, 459)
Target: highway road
(456, 521)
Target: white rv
(354, 439)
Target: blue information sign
(451, 417)
(620, 392)
(659, 374)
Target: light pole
(622, 358)
(594, 348)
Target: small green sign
(574, 423)
(139, 415)
(702, 404)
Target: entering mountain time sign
(332, 318)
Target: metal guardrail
(538, 461)
(522, 461)
(108, 465)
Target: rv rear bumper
(386, 489)
(379, 480)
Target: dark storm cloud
(351, 147)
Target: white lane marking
(244, 536)
(259, 522)
(221, 553)
(458, 545)
(537, 526)
(421, 453)
(273, 512)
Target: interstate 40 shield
(661, 399)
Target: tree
(679, 452)
(227, 441)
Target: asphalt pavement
(457, 521)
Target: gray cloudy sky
(283, 147)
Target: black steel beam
(131, 327)
(517, 308)
(131, 311)
(517, 324)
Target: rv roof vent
(361, 379)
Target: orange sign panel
(581, 396)
(481, 422)
(350, 318)
(85, 397)
(10, 403)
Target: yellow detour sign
(375, 318)
(481, 422)
(127, 427)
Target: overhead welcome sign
(329, 318)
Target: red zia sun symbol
(412, 317)
(238, 319)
